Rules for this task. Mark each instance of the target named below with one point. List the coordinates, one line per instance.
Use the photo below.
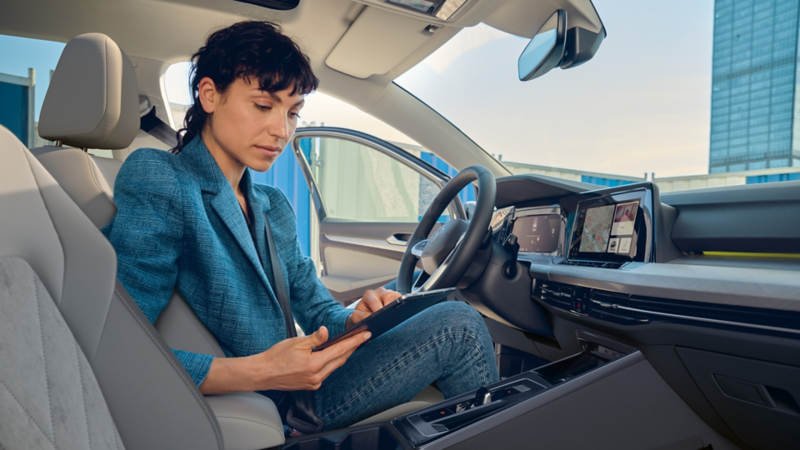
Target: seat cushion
(49, 396)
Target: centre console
(455, 420)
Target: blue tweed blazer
(179, 225)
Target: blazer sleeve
(147, 234)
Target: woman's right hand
(289, 365)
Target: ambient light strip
(754, 255)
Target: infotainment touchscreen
(612, 227)
(609, 229)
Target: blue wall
(610, 182)
(468, 193)
(14, 110)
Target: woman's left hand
(372, 301)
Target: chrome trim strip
(364, 242)
(703, 319)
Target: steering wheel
(447, 255)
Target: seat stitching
(194, 328)
(83, 395)
(57, 301)
(26, 412)
(375, 380)
(202, 402)
(44, 358)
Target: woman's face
(250, 125)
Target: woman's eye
(294, 115)
(262, 107)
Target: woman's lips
(269, 150)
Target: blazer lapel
(226, 206)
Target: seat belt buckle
(302, 422)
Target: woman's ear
(208, 95)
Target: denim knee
(465, 325)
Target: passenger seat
(80, 365)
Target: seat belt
(301, 415)
(152, 125)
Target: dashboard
(608, 228)
(705, 283)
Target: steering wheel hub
(441, 244)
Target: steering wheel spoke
(419, 248)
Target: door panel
(360, 256)
(369, 196)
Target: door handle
(394, 241)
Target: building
(17, 96)
(754, 94)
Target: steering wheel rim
(453, 268)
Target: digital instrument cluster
(538, 230)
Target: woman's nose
(279, 127)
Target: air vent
(280, 5)
(605, 265)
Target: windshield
(640, 110)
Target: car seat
(81, 365)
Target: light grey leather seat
(248, 420)
(81, 365)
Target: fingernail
(367, 335)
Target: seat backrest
(153, 402)
(94, 88)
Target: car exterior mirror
(545, 51)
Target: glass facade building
(754, 104)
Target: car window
(25, 69)
(360, 183)
(710, 106)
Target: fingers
(388, 296)
(342, 347)
(357, 316)
(317, 338)
(371, 300)
(376, 299)
(339, 361)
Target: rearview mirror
(545, 51)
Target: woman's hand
(372, 301)
(289, 365)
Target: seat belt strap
(301, 414)
(152, 125)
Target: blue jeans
(447, 343)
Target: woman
(192, 220)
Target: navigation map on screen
(597, 229)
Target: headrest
(93, 99)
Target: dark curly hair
(252, 50)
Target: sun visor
(376, 42)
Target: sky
(18, 54)
(641, 105)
